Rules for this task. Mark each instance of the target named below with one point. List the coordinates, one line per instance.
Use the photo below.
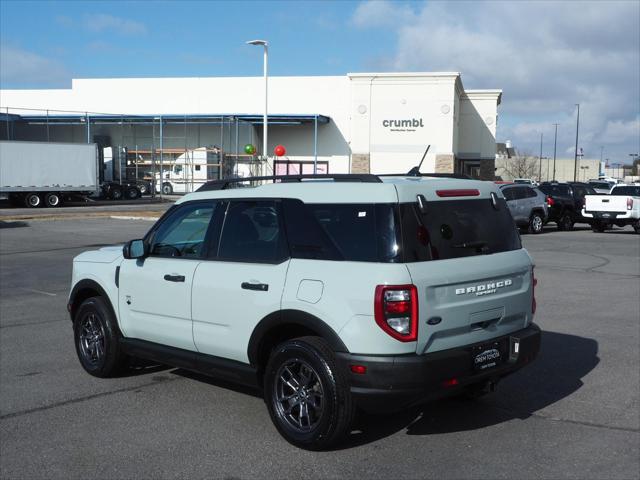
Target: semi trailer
(36, 174)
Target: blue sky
(545, 55)
(102, 39)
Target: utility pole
(575, 158)
(555, 143)
(540, 160)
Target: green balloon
(249, 149)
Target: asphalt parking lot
(574, 413)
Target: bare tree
(522, 165)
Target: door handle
(261, 287)
(174, 278)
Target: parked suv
(565, 202)
(359, 292)
(528, 206)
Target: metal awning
(254, 119)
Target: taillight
(396, 311)
(629, 203)
(550, 201)
(534, 282)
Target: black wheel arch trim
(295, 317)
(83, 285)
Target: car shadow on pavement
(16, 224)
(557, 372)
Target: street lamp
(555, 143)
(265, 152)
(575, 158)
(584, 170)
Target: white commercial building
(364, 122)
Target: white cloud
(100, 22)
(381, 13)
(545, 56)
(25, 68)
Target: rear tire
(536, 223)
(565, 222)
(307, 394)
(97, 339)
(53, 200)
(32, 200)
(116, 193)
(133, 193)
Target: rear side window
(457, 228)
(252, 232)
(531, 193)
(509, 193)
(555, 189)
(632, 190)
(351, 232)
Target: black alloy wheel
(307, 394)
(97, 339)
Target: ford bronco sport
(330, 293)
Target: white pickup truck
(621, 207)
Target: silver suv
(528, 206)
(329, 293)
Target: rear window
(457, 228)
(554, 189)
(633, 190)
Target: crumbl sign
(406, 125)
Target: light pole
(265, 151)
(575, 158)
(540, 161)
(555, 143)
(634, 157)
(584, 169)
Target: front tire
(307, 394)
(536, 223)
(167, 189)
(97, 339)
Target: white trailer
(45, 174)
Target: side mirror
(135, 249)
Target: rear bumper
(610, 216)
(395, 382)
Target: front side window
(182, 234)
(252, 232)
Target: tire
(311, 361)
(32, 200)
(116, 193)
(97, 339)
(52, 200)
(636, 226)
(143, 189)
(598, 227)
(132, 193)
(536, 223)
(565, 222)
(167, 189)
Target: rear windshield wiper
(477, 244)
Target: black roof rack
(459, 176)
(337, 177)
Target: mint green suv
(329, 293)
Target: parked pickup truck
(621, 207)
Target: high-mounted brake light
(629, 203)
(396, 311)
(458, 193)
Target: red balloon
(279, 151)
